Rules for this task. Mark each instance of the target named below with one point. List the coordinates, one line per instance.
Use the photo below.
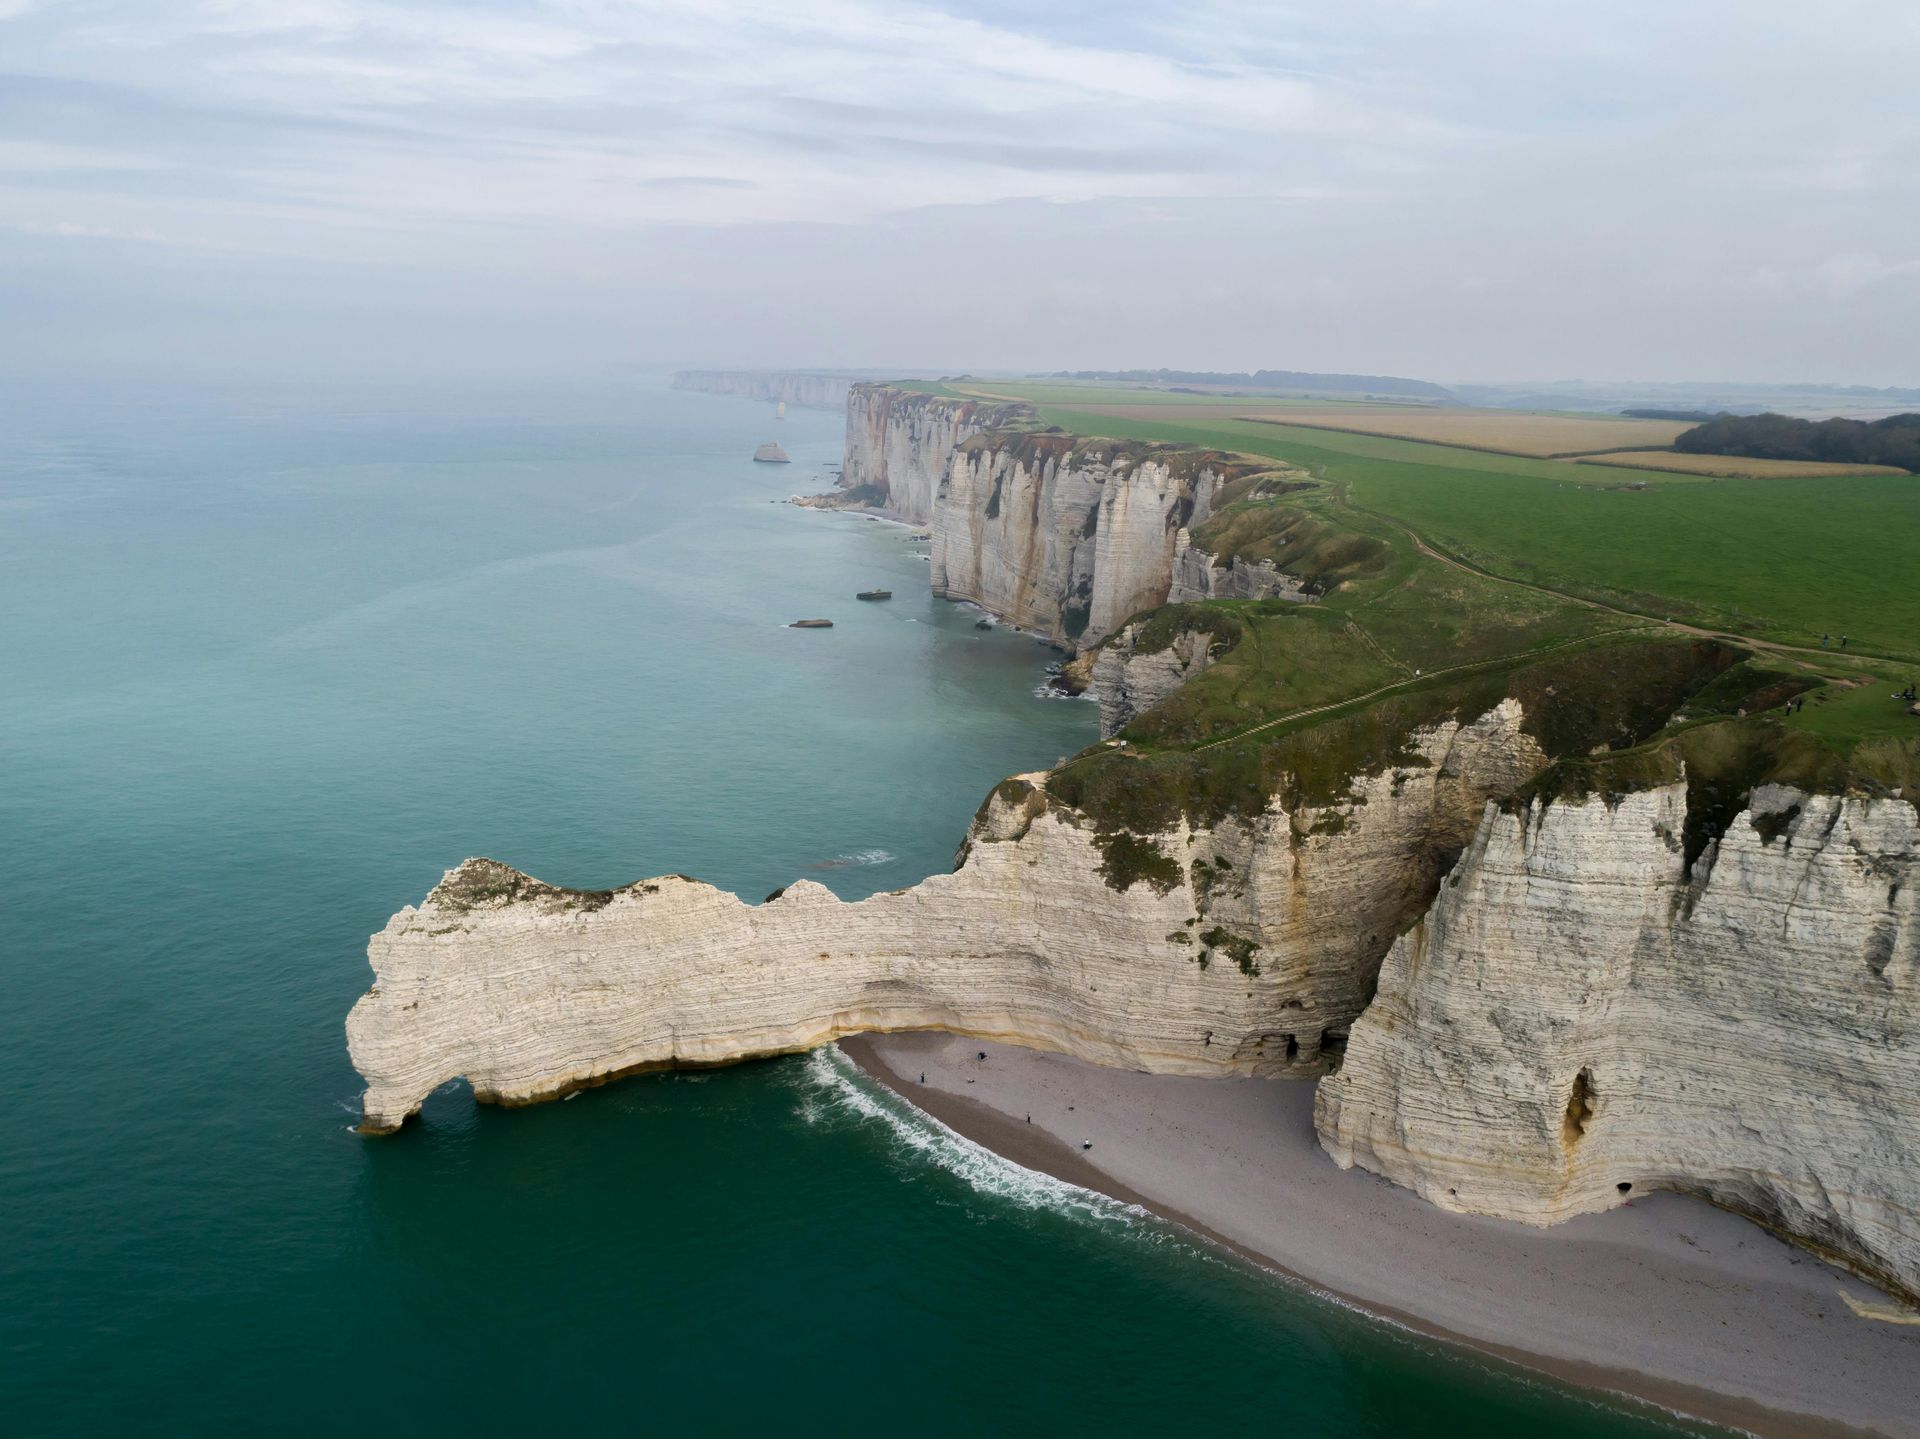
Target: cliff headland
(1557, 894)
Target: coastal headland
(1527, 816)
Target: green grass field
(1779, 559)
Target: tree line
(1892, 441)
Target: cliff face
(1580, 1013)
(813, 390)
(1198, 575)
(1128, 680)
(1067, 537)
(1245, 948)
(899, 444)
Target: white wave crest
(837, 1091)
(857, 858)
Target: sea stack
(771, 454)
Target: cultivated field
(1507, 432)
(1730, 466)
(1203, 399)
(1537, 434)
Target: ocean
(271, 660)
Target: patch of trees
(1892, 441)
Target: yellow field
(1507, 432)
(1730, 466)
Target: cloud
(1847, 274)
(1621, 171)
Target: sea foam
(838, 1091)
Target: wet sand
(1669, 1300)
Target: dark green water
(269, 663)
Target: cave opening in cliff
(1579, 1109)
(1293, 1046)
(1333, 1045)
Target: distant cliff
(814, 389)
(1069, 537)
(1063, 536)
(899, 443)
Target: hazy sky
(1458, 190)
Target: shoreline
(879, 513)
(1669, 1303)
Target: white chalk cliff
(810, 389)
(1580, 1012)
(1128, 679)
(899, 443)
(1234, 949)
(1198, 575)
(1070, 538)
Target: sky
(1467, 190)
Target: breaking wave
(856, 859)
(835, 1091)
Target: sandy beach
(1669, 1300)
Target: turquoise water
(270, 662)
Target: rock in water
(874, 595)
(771, 454)
(811, 625)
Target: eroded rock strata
(1066, 537)
(1582, 1011)
(899, 443)
(1243, 947)
(1200, 575)
(1131, 674)
(1069, 537)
